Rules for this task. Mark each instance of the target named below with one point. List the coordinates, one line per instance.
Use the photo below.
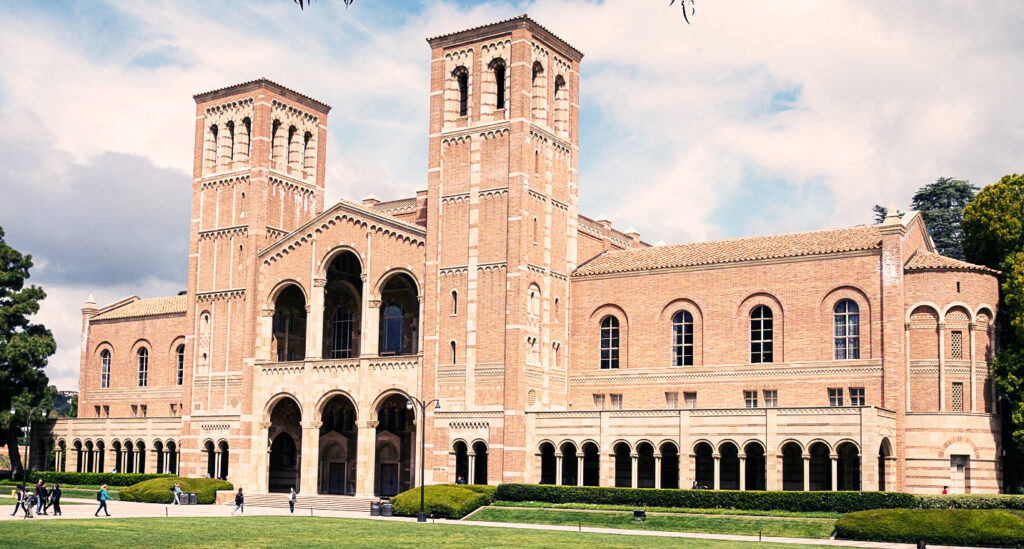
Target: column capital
(373, 304)
(368, 424)
(311, 424)
(319, 282)
(266, 312)
(942, 325)
(906, 326)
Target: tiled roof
(922, 260)
(523, 17)
(258, 82)
(863, 237)
(146, 307)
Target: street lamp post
(27, 429)
(423, 444)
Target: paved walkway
(124, 509)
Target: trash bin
(387, 509)
(188, 498)
(374, 508)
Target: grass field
(747, 526)
(605, 507)
(86, 491)
(269, 532)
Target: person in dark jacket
(55, 499)
(40, 496)
(239, 502)
(291, 501)
(26, 505)
(16, 496)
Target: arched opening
(396, 433)
(846, 330)
(215, 152)
(140, 457)
(90, 457)
(848, 467)
(276, 141)
(682, 339)
(561, 105)
(342, 305)
(669, 466)
(399, 319)
(172, 457)
(211, 459)
(105, 369)
(290, 324)
(247, 138)
(792, 467)
(591, 464)
(129, 457)
(498, 66)
(461, 76)
(570, 464)
(479, 463)
(161, 460)
(609, 342)
(761, 335)
(76, 447)
(62, 456)
(538, 94)
(885, 452)
(143, 367)
(222, 472)
(461, 462)
(729, 466)
(117, 450)
(179, 363)
(755, 466)
(230, 126)
(645, 465)
(293, 148)
(548, 463)
(338, 446)
(285, 436)
(101, 451)
(623, 466)
(703, 466)
(821, 467)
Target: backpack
(99, 495)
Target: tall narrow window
(609, 343)
(105, 369)
(247, 123)
(462, 79)
(455, 303)
(498, 66)
(761, 335)
(231, 143)
(215, 133)
(846, 330)
(179, 377)
(275, 130)
(453, 352)
(143, 367)
(536, 163)
(958, 396)
(682, 339)
(956, 342)
(535, 231)
(289, 146)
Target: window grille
(143, 367)
(690, 400)
(835, 397)
(672, 401)
(761, 335)
(771, 398)
(609, 343)
(599, 402)
(958, 397)
(856, 396)
(846, 330)
(957, 345)
(682, 339)
(180, 375)
(616, 402)
(750, 399)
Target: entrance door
(958, 474)
(388, 479)
(336, 478)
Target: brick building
(561, 350)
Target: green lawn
(86, 491)
(793, 528)
(8, 502)
(313, 532)
(606, 507)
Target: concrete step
(325, 502)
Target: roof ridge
(753, 236)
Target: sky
(759, 117)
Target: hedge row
(837, 502)
(971, 501)
(444, 500)
(160, 490)
(96, 479)
(938, 526)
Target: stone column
(152, 458)
(718, 470)
(124, 461)
(743, 472)
(942, 366)
(165, 456)
(261, 454)
(906, 343)
(223, 148)
(579, 469)
(632, 480)
(974, 395)
(264, 336)
(309, 161)
(366, 457)
(835, 472)
(72, 461)
(216, 463)
(807, 472)
(657, 470)
(310, 457)
(558, 468)
(371, 327)
(471, 458)
(295, 153)
(315, 320)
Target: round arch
(958, 305)
(281, 286)
(321, 271)
(923, 305)
(325, 399)
(383, 279)
(268, 408)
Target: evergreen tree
(942, 206)
(24, 347)
(880, 212)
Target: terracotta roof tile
(863, 237)
(146, 307)
(922, 260)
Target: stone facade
(558, 348)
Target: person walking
(43, 495)
(102, 496)
(16, 496)
(39, 496)
(291, 501)
(177, 493)
(55, 499)
(26, 502)
(239, 502)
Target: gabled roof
(144, 307)
(502, 26)
(862, 237)
(262, 83)
(924, 260)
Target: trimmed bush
(97, 479)
(836, 502)
(971, 501)
(938, 526)
(444, 500)
(159, 490)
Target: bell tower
(501, 226)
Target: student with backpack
(239, 502)
(102, 496)
(55, 499)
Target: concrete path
(124, 509)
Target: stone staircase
(318, 502)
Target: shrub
(971, 501)
(111, 479)
(159, 490)
(838, 502)
(938, 526)
(444, 500)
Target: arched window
(537, 69)
(846, 329)
(179, 377)
(275, 130)
(462, 78)
(761, 335)
(455, 303)
(536, 162)
(453, 352)
(105, 369)
(231, 142)
(291, 147)
(215, 133)
(143, 367)
(498, 66)
(609, 343)
(534, 231)
(682, 339)
(247, 123)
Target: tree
(994, 236)
(24, 347)
(942, 206)
(880, 212)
